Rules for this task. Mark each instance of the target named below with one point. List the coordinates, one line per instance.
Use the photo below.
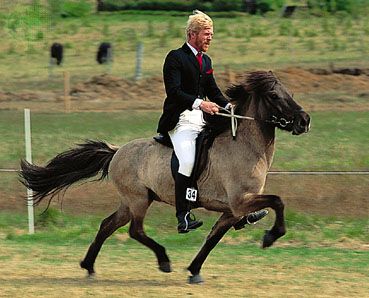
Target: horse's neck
(260, 137)
(257, 133)
(254, 141)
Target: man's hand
(209, 107)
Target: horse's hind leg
(137, 232)
(108, 226)
(224, 223)
(254, 202)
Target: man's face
(201, 40)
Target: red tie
(199, 59)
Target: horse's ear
(235, 91)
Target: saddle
(204, 142)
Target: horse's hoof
(195, 279)
(268, 239)
(90, 276)
(271, 236)
(165, 267)
(91, 271)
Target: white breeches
(184, 143)
(184, 136)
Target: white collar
(194, 51)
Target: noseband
(283, 122)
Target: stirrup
(251, 218)
(190, 223)
(254, 217)
(189, 214)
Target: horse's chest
(228, 183)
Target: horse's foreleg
(108, 226)
(224, 223)
(137, 232)
(254, 202)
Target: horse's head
(268, 100)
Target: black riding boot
(185, 223)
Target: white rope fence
(276, 172)
(318, 173)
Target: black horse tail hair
(83, 162)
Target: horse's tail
(82, 162)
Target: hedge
(323, 6)
(179, 5)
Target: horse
(231, 183)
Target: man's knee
(186, 167)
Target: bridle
(283, 122)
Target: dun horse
(231, 183)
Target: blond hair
(197, 22)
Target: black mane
(255, 84)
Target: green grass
(317, 252)
(55, 226)
(53, 132)
(337, 141)
(129, 270)
(312, 248)
(304, 230)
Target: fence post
(110, 60)
(27, 134)
(66, 91)
(51, 67)
(139, 57)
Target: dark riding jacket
(184, 82)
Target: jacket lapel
(192, 57)
(204, 63)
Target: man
(188, 79)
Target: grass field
(337, 141)
(318, 258)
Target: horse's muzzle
(301, 123)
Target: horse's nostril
(300, 122)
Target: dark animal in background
(288, 10)
(104, 53)
(251, 6)
(56, 53)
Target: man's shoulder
(178, 51)
(177, 54)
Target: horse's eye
(274, 96)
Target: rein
(281, 121)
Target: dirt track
(109, 93)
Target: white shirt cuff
(197, 103)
